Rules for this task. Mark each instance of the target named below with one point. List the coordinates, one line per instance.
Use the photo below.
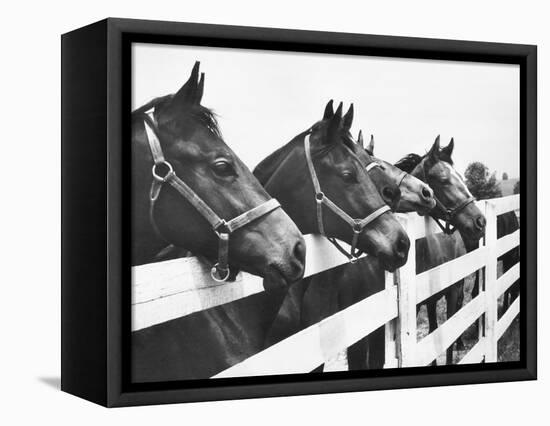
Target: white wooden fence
(167, 290)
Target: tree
(505, 176)
(516, 188)
(480, 183)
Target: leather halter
(449, 214)
(222, 228)
(357, 225)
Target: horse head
(454, 203)
(324, 186)
(197, 186)
(416, 196)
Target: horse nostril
(426, 193)
(300, 253)
(480, 222)
(402, 247)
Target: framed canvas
(252, 212)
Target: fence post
(406, 299)
(391, 360)
(490, 281)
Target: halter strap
(220, 271)
(371, 166)
(449, 214)
(357, 225)
(402, 178)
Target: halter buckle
(214, 273)
(155, 171)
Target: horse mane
(410, 161)
(203, 115)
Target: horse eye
(223, 168)
(349, 177)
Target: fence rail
(175, 288)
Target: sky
(264, 98)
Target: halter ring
(222, 228)
(319, 197)
(167, 175)
(214, 273)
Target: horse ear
(370, 147)
(360, 140)
(200, 90)
(434, 150)
(333, 131)
(348, 118)
(329, 111)
(187, 95)
(448, 150)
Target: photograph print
(298, 212)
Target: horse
(273, 174)
(319, 298)
(189, 189)
(455, 210)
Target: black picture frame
(95, 233)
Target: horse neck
(251, 317)
(289, 182)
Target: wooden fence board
(507, 243)
(476, 353)
(439, 278)
(309, 348)
(438, 341)
(506, 319)
(507, 279)
(171, 289)
(506, 204)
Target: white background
(29, 312)
(264, 98)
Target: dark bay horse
(456, 208)
(219, 186)
(298, 197)
(187, 188)
(325, 294)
